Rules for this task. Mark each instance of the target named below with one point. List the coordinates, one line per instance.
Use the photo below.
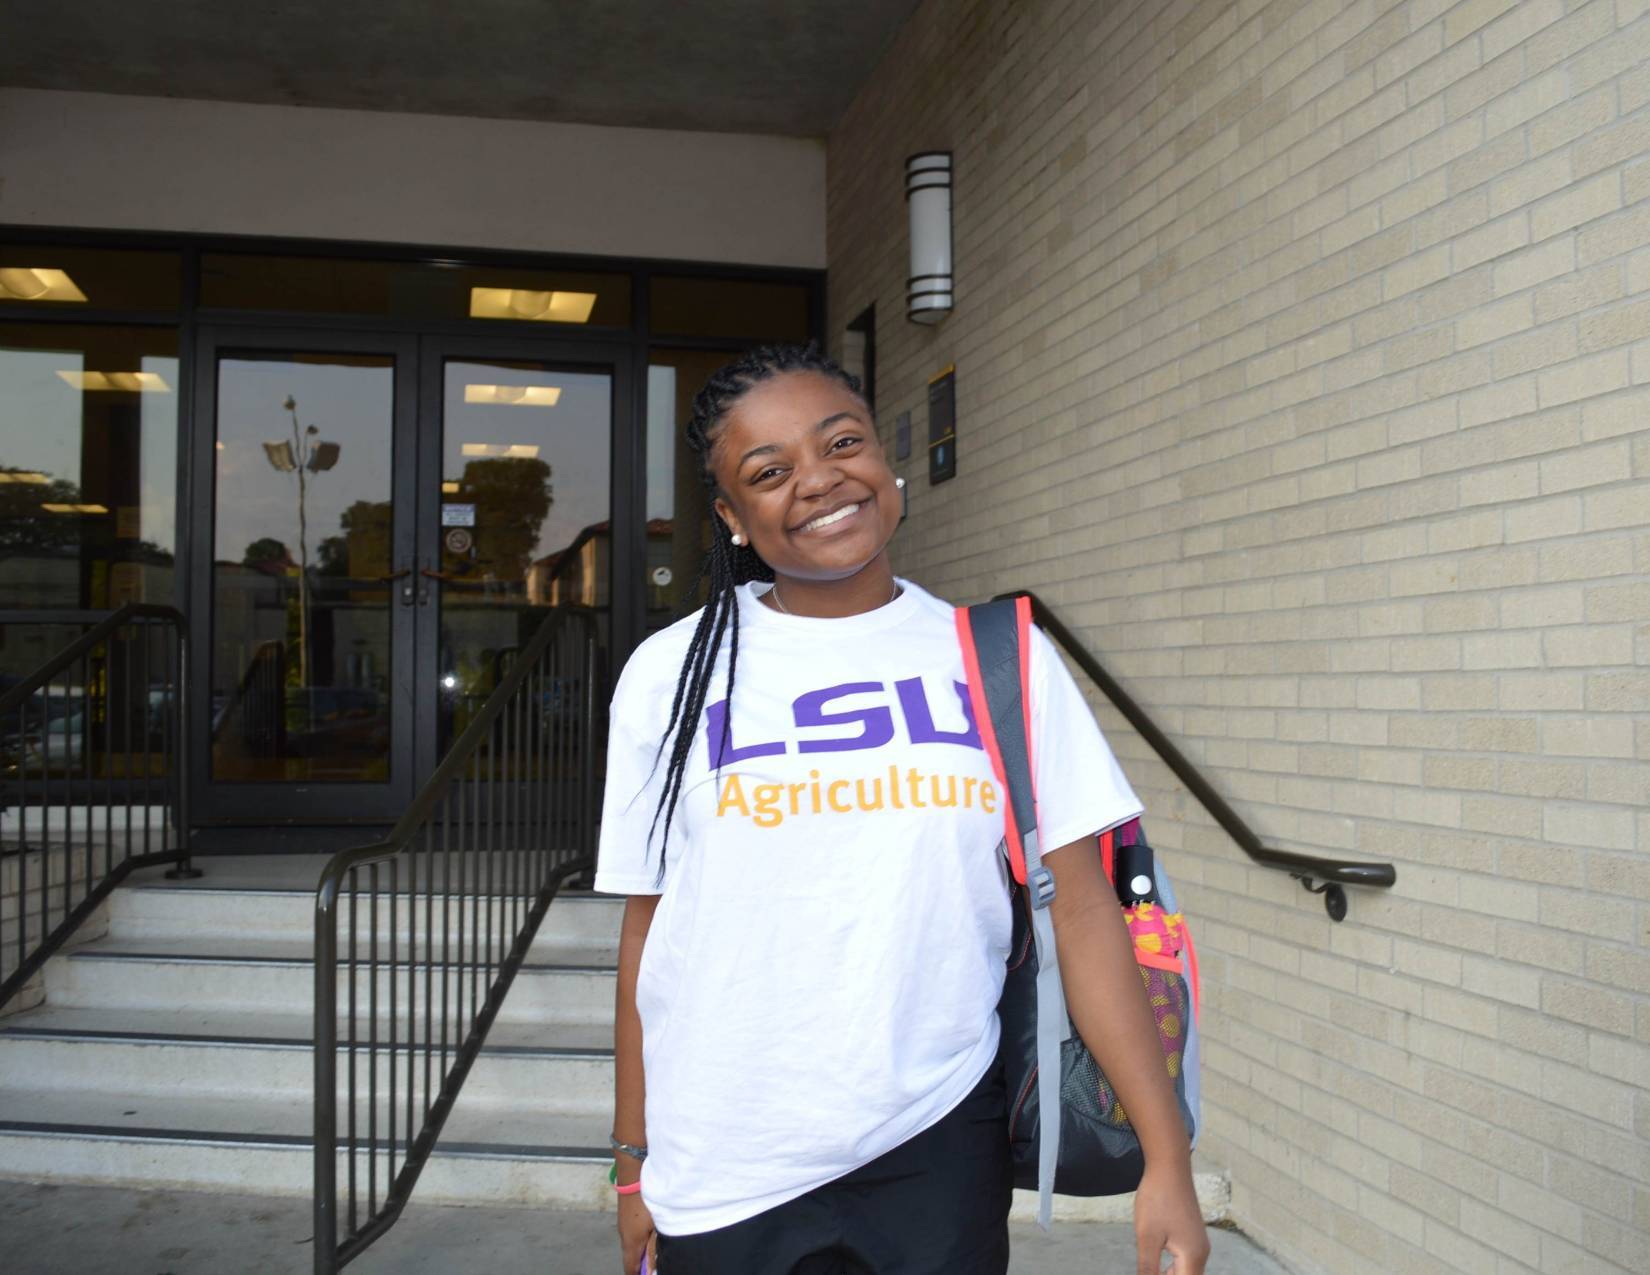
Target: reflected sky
(41, 428)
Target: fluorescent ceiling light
(117, 382)
(76, 509)
(31, 283)
(523, 303)
(514, 395)
(515, 451)
(23, 476)
(449, 489)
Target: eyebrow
(825, 424)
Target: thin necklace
(780, 602)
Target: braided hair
(726, 564)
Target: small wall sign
(942, 426)
(454, 515)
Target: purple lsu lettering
(875, 722)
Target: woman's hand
(636, 1234)
(1166, 1216)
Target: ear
(724, 511)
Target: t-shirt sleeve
(1081, 790)
(624, 862)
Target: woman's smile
(836, 520)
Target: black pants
(937, 1203)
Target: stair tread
(591, 958)
(283, 874)
(185, 1025)
(471, 1128)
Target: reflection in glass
(739, 309)
(524, 516)
(88, 482)
(54, 276)
(300, 605)
(413, 289)
(678, 519)
(88, 471)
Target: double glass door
(389, 519)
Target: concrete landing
(83, 1230)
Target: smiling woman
(810, 1088)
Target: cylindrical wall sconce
(928, 192)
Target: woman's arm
(1107, 1001)
(629, 1086)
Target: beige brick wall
(1303, 355)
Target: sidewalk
(79, 1230)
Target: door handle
(406, 589)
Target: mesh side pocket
(1084, 1088)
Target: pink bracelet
(630, 1189)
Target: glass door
(516, 514)
(304, 593)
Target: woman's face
(801, 475)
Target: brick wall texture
(1303, 367)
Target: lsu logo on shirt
(851, 728)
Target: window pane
(88, 465)
(89, 278)
(735, 308)
(301, 601)
(414, 289)
(678, 520)
(525, 478)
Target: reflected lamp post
(305, 454)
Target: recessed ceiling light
(34, 283)
(75, 509)
(537, 307)
(514, 451)
(514, 395)
(23, 476)
(449, 489)
(117, 382)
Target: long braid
(726, 565)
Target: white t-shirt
(821, 978)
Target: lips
(832, 517)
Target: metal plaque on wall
(942, 426)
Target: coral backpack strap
(996, 643)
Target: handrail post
(326, 1079)
(184, 869)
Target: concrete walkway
(79, 1230)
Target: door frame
(297, 802)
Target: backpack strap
(996, 643)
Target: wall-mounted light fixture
(928, 194)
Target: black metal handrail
(92, 703)
(505, 820)
(1317, 874)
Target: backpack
(1091, 1149)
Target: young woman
(807, 828)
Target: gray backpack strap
(999, 637)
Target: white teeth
(828, 519)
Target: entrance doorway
(388, 518)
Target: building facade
(1302, 364)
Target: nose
(818, 477)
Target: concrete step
(264, 1145)
(554, 1070)
(486, 1154)
(575, 920)
(277, 976)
